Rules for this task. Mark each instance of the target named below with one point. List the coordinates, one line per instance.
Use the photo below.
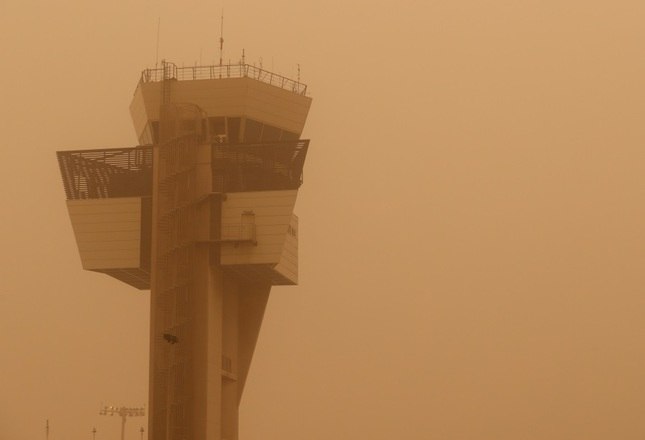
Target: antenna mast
(158, 30)
(221, 38)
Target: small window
(203, 131)
(217, 126)
(155, 131)
(188, 126)
(233, 130)
(146, 136)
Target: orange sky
(471, 223)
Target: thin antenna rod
(158, 29)
(221, 38)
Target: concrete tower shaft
(229, 162)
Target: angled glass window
(271, 134)
(233, 130)
(252, 131)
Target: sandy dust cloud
(471, 220)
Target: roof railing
(223, 71)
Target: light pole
(94, 433)
(124, 412)
(141, 431)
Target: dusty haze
(472, 249)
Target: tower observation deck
(200, 213)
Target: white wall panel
(108, 232)
(273, 214)
(288, 265)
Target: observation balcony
(109, 199)
(127, 172)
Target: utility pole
(124, 413)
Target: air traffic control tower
(200, 213)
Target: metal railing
(224, 71)
(105, 173)
(258, 167)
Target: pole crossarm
(124, 412)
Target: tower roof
(231, 91)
